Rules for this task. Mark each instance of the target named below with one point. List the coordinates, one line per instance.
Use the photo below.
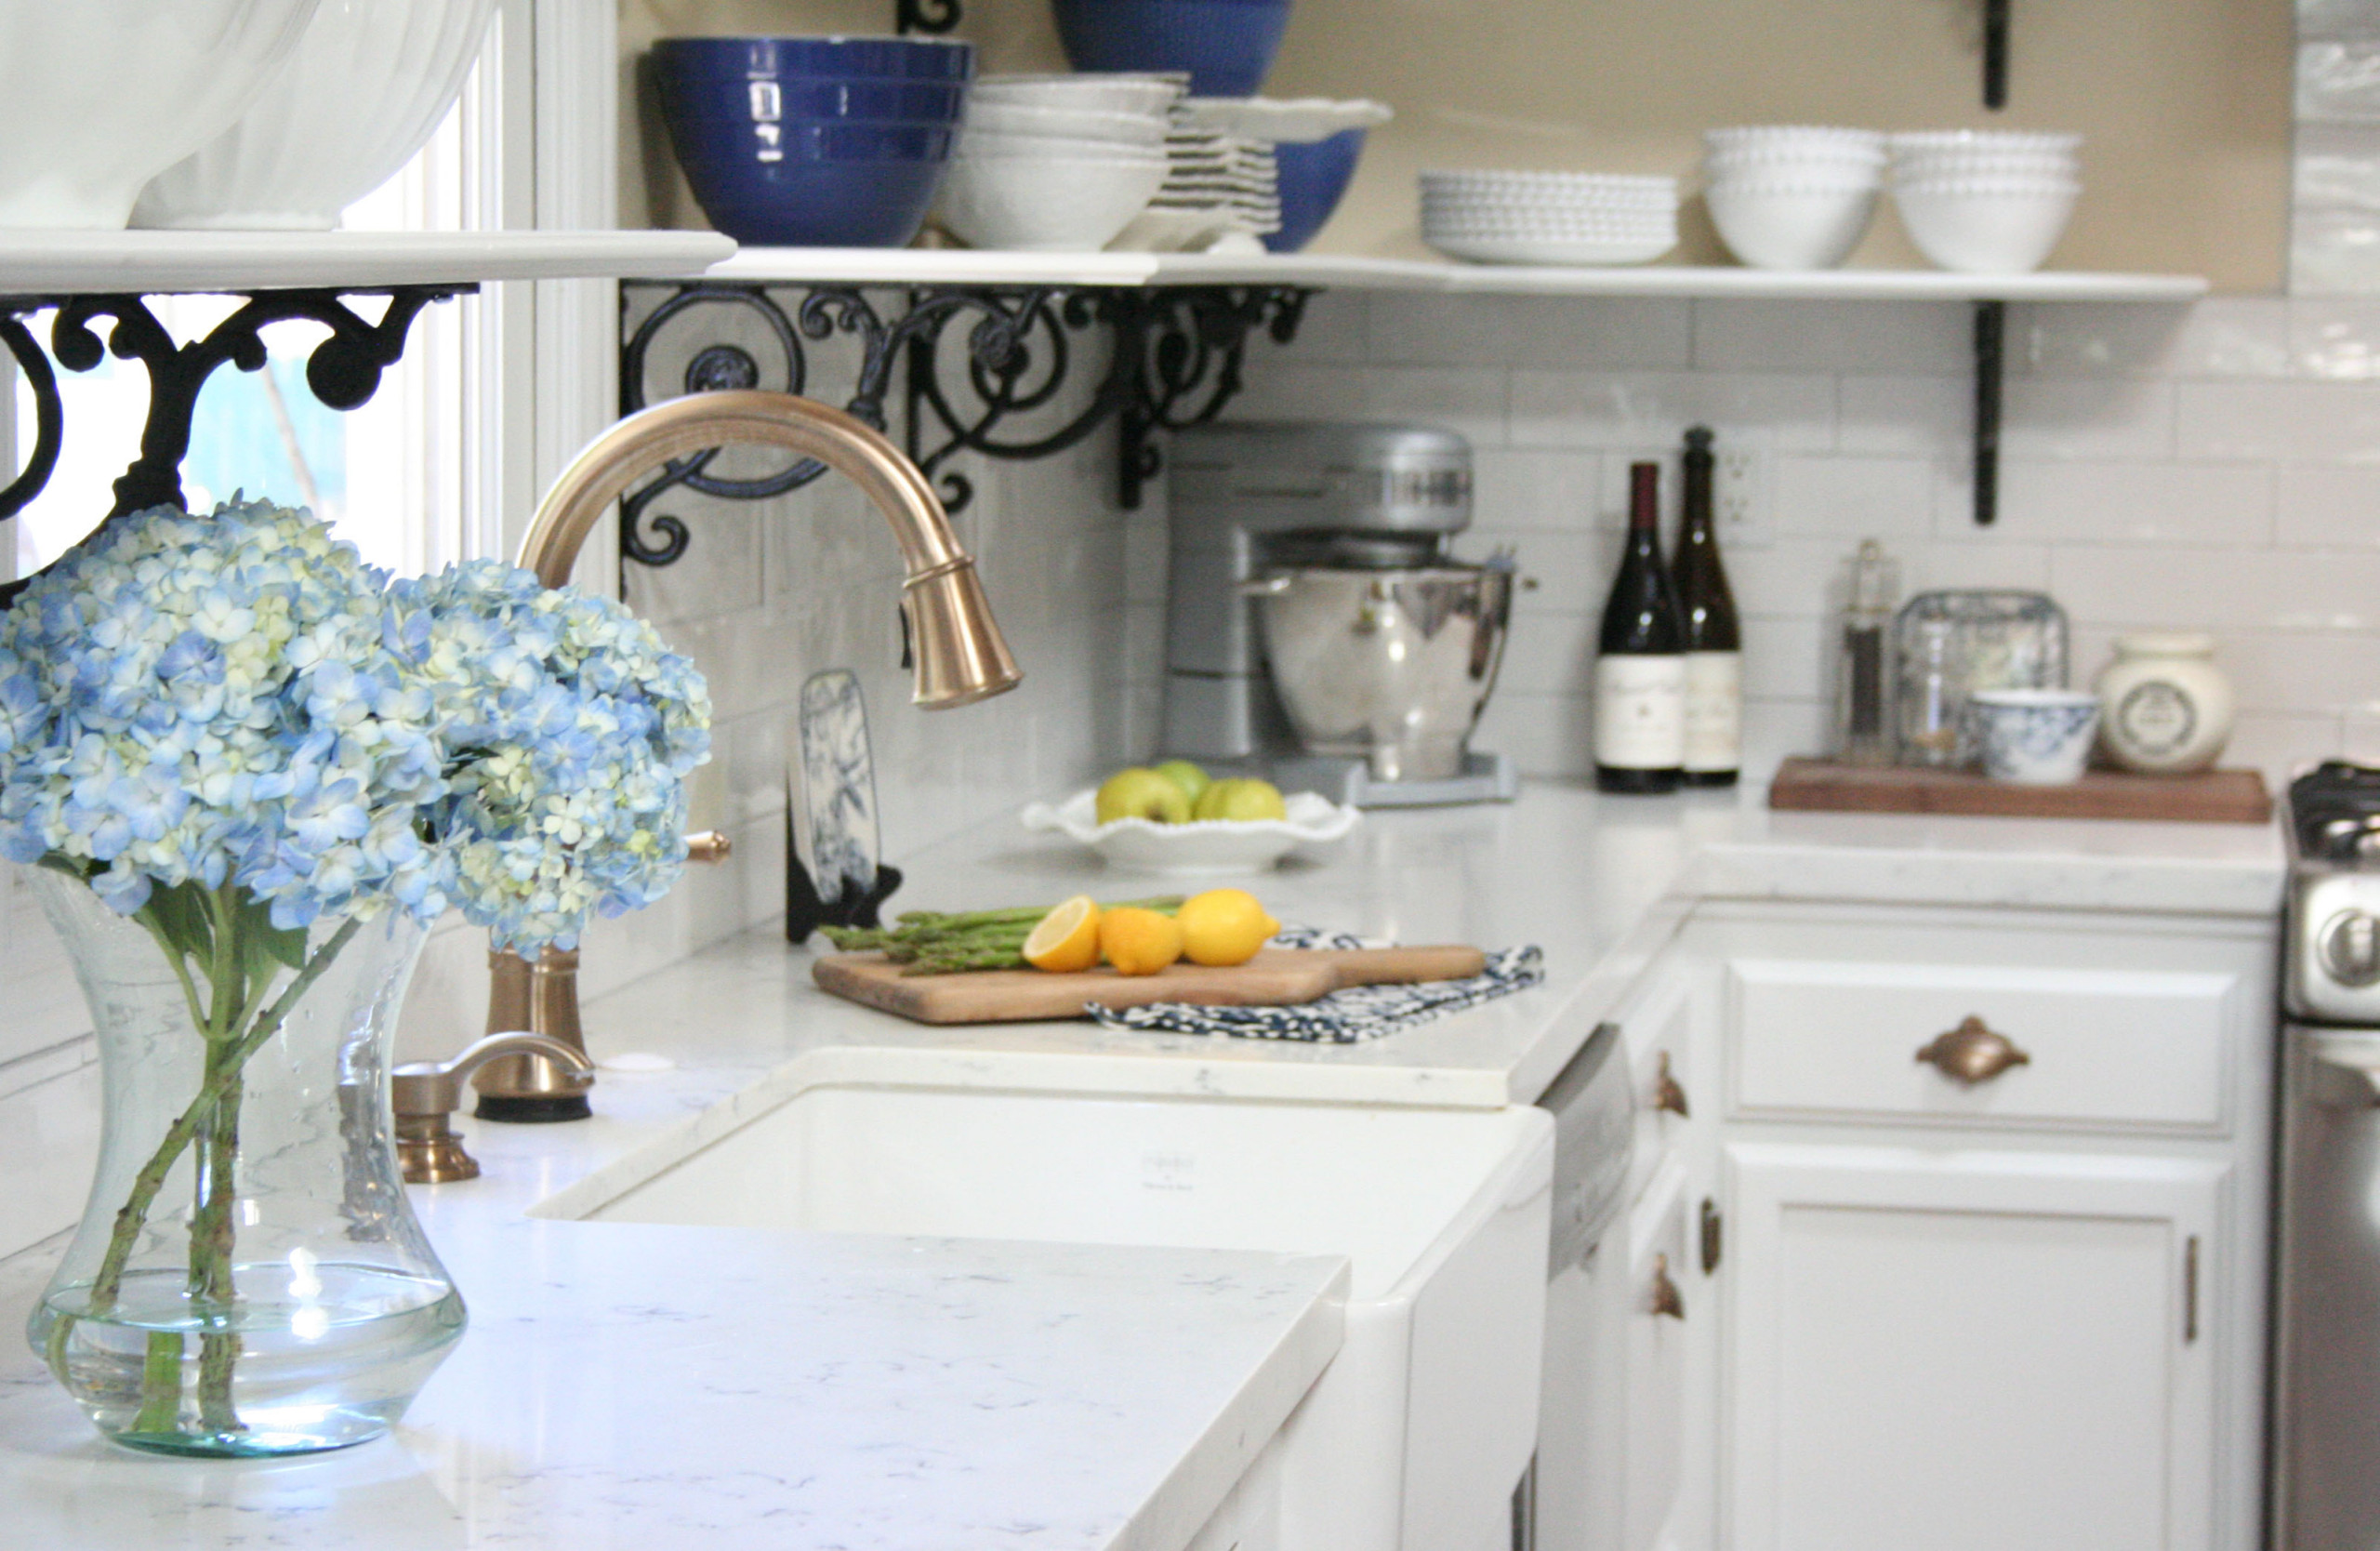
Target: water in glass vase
(248, 1277)
(327, 1354)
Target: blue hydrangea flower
(237, 697)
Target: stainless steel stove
(2326, 1369)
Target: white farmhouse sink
(1413, 1439)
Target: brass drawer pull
(1668, 1092)
(1972, 1053)
(1666, 1298)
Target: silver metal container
(1390, 664)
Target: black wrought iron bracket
(344, 371)
(1995, 53)
(1167, 358)
(1991, 362)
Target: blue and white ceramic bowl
(2037, 736)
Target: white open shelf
(965, 266)
(56, 263)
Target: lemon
(1138, 941)
(1224, 926)
(1068, 938)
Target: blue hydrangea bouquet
(246, 741)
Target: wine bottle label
(1640, 713)
(1714, 711)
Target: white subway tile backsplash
(2041, 417)
(1525, 489)
(1924, 337)
(1854, 497)
(2337, 507)
(2281, 423)
(2336, 339)
(2334, 247)
(2116, 503)
(1621, 410)
(1905, 416)
(1543, 734)
(2221, 337)
(2338, 80)
(2338, 17)
(1605, 332)
(1334, 329)
(1549, 653)
(1570, 570)
(2215, 589)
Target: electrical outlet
(1740, 497)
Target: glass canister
(1949, 645)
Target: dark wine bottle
(1639, 671)
(1715, 658)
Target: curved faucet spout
(961, 655)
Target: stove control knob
(2351, 944)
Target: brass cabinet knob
(708, 845)
(1668, 1092)
(1666, 1298)
(1972, 1053)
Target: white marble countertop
(643, 1387)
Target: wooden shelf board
(2211, 797)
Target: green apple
(1243, 800)
(1193, 781)
(1140, 792)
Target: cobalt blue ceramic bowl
(1227, 46)
(782, 154)
(1313, 179)
(843, 59)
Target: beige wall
(2185, 103)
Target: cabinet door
(1969, 1351)
(1663, 1303)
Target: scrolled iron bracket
(931, 17)
(344, 371)
(977, 361)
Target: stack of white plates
(1790, 196)
(1221, 191)
(1985, 201)
(1549, 217)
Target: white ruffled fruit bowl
(1202, 848)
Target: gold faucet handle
(425, 1093)
(708, 845)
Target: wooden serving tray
(2209, 797)
(1275, 977)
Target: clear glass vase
(248, 1278)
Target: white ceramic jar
(2168, 708)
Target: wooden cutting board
(2213, 796)
(1275, 977)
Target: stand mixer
(1317, 630)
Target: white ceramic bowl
(1805, 139)
(1800, 181)
(1954, 163)
(1045, 204)
(1023, 118)
(2034, 737)
(1788, 227)
(982, 143)
(1792, 169)
(364, 90)
(1212, 848)
(1985, 231)
(103, 95)
(2023, 142)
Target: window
(404, 477)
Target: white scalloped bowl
(1205, 848)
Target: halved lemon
(1065, 940)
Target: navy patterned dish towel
(1343, 1017)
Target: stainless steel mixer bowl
(1390, 664)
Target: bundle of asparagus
(929, 942)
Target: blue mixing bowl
(845, 59)
(1227, 46)
(1313, 179)
(795, 159)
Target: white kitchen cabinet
(2020, 1314)
(1969, 1351)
